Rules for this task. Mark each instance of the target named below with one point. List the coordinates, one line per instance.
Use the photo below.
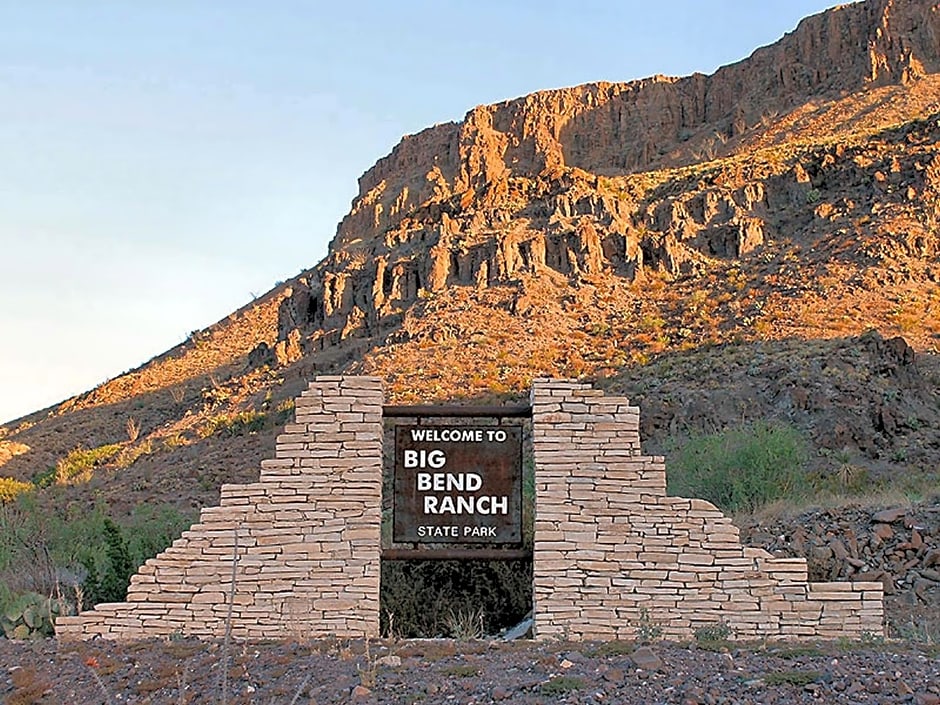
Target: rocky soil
(466, 672)
(898, 546)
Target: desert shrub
(245, 422)
(421, 598)
(177, 440)
(847, 479)
(741, 469)
(44, 478)
(25, 563)
(465, 625)
(120, 549)
(79, 464)
(10, 488)
(132, 427)
(85, 557)
(151, 529)
(647, 629)
(713, 635)
(608, 649)
(112, 586)
(132, 453)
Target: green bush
(151, 529)
(713, 634)
(114, 582)
(85, 556)
(44, 478)
(742, 469)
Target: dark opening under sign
(458, 484)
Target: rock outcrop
(616, 128)
(550, 181)
(898, 546)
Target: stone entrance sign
(610, 549)
(458, 484)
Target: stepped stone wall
(306, 536)
(613, 553)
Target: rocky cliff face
(555, 179)
(617, 128)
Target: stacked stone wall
(613, 555)
(304, 539)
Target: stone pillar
(307, 537)
(613, 555)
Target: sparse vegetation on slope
(766, 254)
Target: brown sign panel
(458, 484)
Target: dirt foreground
(438, 671)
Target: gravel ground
(189, 671)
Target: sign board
(458, 484)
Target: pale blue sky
(162, 161)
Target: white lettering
(500, 505)
(461, 504)
(475, 531)
(448, 482)
(439, 531)
(424, 458)
(447, 435)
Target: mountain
(760, 243)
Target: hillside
(760, 243)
